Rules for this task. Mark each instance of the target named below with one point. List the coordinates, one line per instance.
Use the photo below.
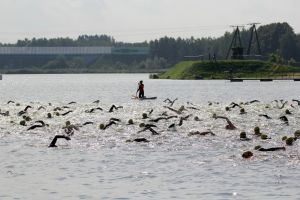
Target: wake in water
(244, 127)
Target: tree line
(276, 38)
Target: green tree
(288, 46)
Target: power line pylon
(252, 31)
(236, 45)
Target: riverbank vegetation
(225, 69)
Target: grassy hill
(225, 69)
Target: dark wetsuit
(141, 90)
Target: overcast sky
(138, 20)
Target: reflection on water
(99, 164)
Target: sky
(138, 20)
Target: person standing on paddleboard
(141, 89)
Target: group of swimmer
(148, 122)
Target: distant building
(31, 51)
(22, 57)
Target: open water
(100, 164)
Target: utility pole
(252, 31)
(236, 45)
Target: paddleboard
(145, 98)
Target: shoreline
(230, 69)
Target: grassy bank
(225, 69)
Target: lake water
(100, 164)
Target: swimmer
(114, 107)
(151, 111)
(181, 109)
(27, 107)
(87, 123)
(242, 111)
(64, 114)
(23, 123)
(257, 131)
(49, 115)
(183, 119)
(37, 126)
(92, 110)
(243, 136)
(297, 134)
(34, 127)
(192, 108)
(69, 128)
(57, 109)
(192, 133)
(180, 122)
(295, 100)
(147, 125)
(172, 126)
(22, 112)
(98, 108)
(162, 118)
(10, 102)
(97, 101)
(114, 119)
(144, 115)
(176, 111)
(41, 107)
(254, 101)
(138, 140)
(247, 154)
(157, 119)
(229, 125)
(5, 114)
(282, 106)
(171, 117)
(103, 127)
(197, 119)
(233, 105)
(52, 144)
(288, 112)
(227, 108)
(211, 103)
(259, 148)
(170, 101)
(27, 118)
(130, 122)
(290, 141)
(150, 129)
(266, 116)
(164, 113)
(284, 119)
